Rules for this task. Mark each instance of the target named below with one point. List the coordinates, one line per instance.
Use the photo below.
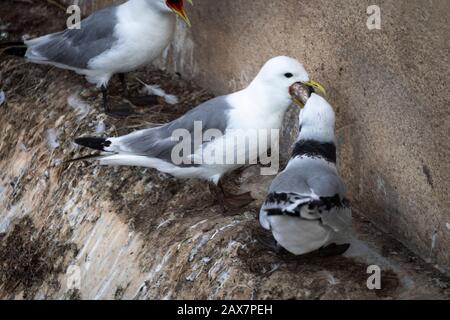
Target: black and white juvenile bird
(306, 209)
(115, 40)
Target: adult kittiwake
(114, 40)
(252, 113)
(306, 209)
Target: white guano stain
(381, 186)
(204, 240)
(100, 127)
(6, 221)
(2, 97)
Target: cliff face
(388, 85)
(75, 230)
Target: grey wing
(310, 190)
(326, 185)
(334, 209)
(158, 142)
(306, 176)
(76, 47)
(288, 193)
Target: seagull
(114, 40)
(260, 106)
(306, 209)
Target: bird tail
(113, 156)
(14, 48)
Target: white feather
(158, 91)
(81, 107)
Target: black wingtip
(16, 51)
(94, 143)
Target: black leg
(123, 82)
(334, 250)
(231, 201)
(105, 99)
(269, 243)
(121, 113)
(222, 189)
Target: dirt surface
(29, 257)
(138, 234)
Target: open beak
(301, 91)
(316, 86)
(298, 102)
(179, 11)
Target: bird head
(301, 91)
(177, 6)
(280, 79)
(317, 120)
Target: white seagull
(261, 106)
(306, 209)
(113, 40)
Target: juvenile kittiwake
(114, 40)
(258, 108)
(306, 209)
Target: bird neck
(317, 121)
(315, 149)
(317, 132)
(264, 99)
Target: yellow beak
(316, 86)
(298, 102)
(182, 14)
(312, 84)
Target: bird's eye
(288, 75)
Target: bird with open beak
(114, 40)
(177, 6)
(302, 91)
